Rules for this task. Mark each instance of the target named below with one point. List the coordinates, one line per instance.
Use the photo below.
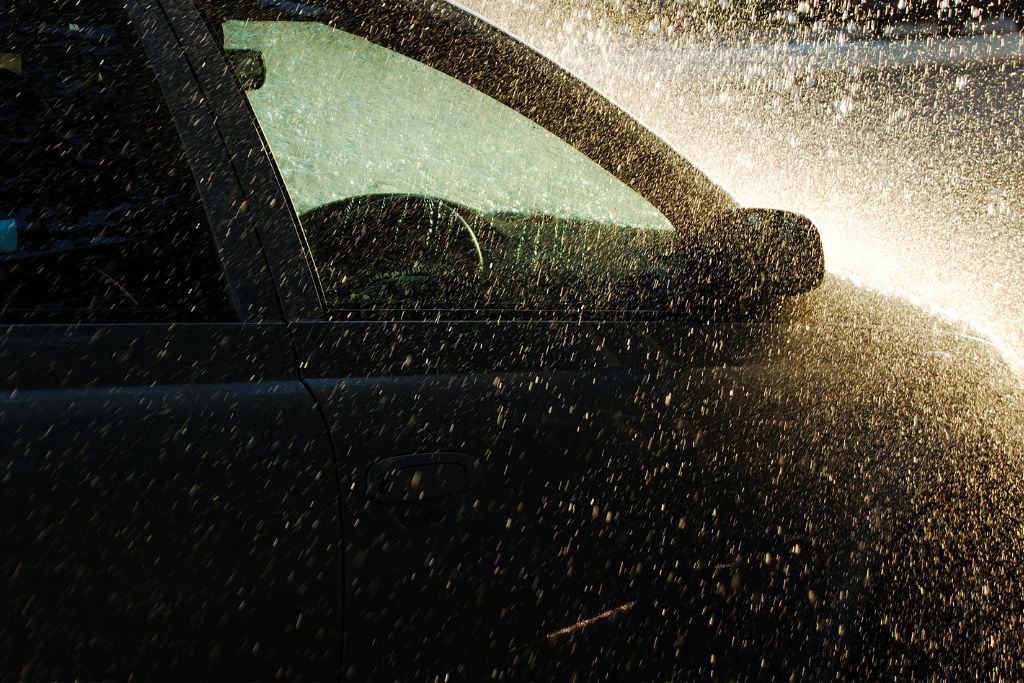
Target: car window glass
(416, 189)
(346, 117)
(99, 213)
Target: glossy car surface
(296, 385)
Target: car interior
(97, 207)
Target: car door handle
(422, 477)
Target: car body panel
(169, 495)
(169, 506)
(630, 497)
(753, 489)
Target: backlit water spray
(907, 153)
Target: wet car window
(416, 189)
(99, 214)
(347, 118)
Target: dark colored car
(360, 340)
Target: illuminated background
(907, 152)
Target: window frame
(227, 206)
(582, 118)
(283, 253)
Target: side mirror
(249, 67)
(781, 251)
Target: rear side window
(100, 218)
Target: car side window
(416, 190)
(100, 218)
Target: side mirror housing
(781, 251)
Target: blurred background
(895, 125)
(773, 18)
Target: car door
(549, 468)
(490, 461)
(169, 503)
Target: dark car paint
(226, 192)
(170, 489)
(169, 506)
(452, 41)
(705, 449)
(169, 493)
(269, 212)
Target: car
(359, 340)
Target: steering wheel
(376, 248)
